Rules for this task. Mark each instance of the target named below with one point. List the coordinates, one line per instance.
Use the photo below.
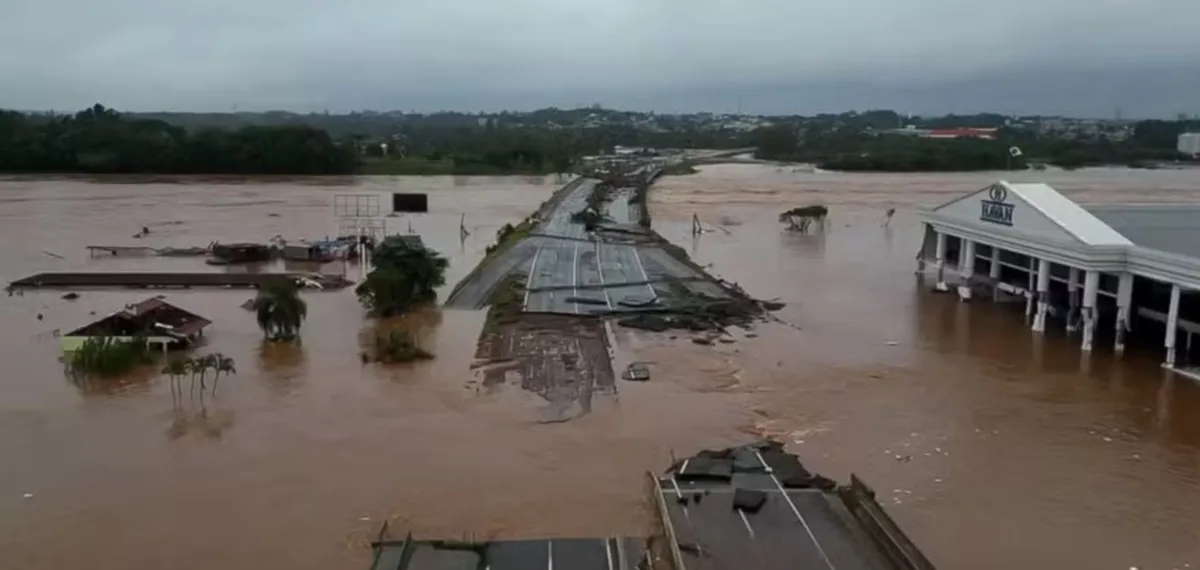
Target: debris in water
(71, 296)
(891, 343)
(28, 495)
(636, 371)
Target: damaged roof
(150, 317)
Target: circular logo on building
(998, 193)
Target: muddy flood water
(993, 448)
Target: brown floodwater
(1015, 452)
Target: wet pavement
(961, 419)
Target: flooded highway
(995, 449)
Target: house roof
(1072, 217)
(148, 317)
(1173, 228)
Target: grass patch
(507, 236)
(423, 166)
(679, 169)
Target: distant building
(967, 133)
(1189, 144)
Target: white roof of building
(1071, 216)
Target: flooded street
(993, 448)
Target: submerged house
(227, 253)
(162, 324)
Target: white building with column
(1119, 271)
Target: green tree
(279, 309)
(405, 275)
(778, 142)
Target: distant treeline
(855, 147)
(99, 140)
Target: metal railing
(900, 550)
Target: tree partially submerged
(279, 309)
(799, 219)
(397, 346)
(406, 275)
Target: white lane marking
(642, 268)
(600, 270)
(795, 511)
(608, 553)
(549, 555)
(575, 276)
(532, 273)
(746, 522)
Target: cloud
(421, 54)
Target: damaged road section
(555, 281)
(748, 507)
(756, 506)
(588, 252)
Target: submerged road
(568, 270)
(564, 261)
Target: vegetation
(106, 357)
(509, 234)
(279, 310)
(179, 368)
(405, 275)
(100, 140)
(858, 148)
(398, 346)
(680, 168)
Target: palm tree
(176, 370)
(201, 366)
(279, 309)
(224, 365)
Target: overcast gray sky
(1083, 57)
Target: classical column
(966, 269)
(1031, 286)
(994, 273)
(1172, 325)
(1124, 298)
(1091, 286)
(1043, 295)
(940, 258)
(1073, 300)
(921, 254)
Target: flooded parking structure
(1121, 273)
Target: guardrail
(668, 527)
(900, 550)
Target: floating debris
(636, 371)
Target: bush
(107, 357)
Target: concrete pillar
(1091, 286)
(1172, 326)
(966, 269)
(994, 273)
(940, 258)
(1073, 291)
(1124, 298)
(921, 254)
(1031, 286)
(1043, 295)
